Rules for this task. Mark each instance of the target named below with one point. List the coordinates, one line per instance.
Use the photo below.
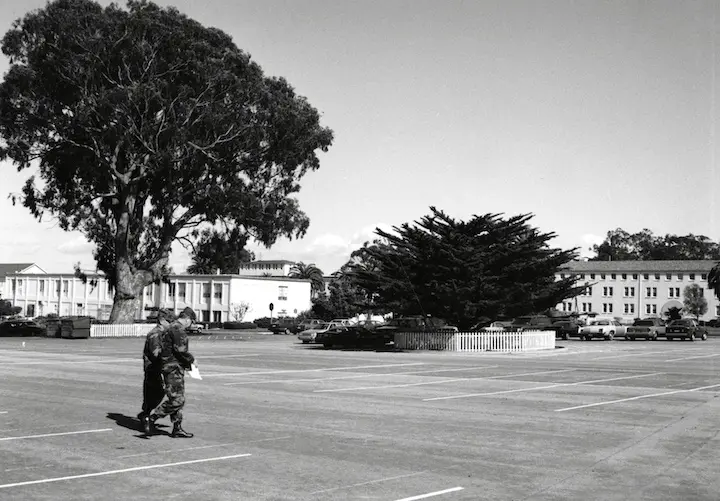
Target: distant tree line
(619, 245)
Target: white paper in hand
(194, 372)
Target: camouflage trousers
(153, 389)
(174, 400)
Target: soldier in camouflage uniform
(175, 359)
(153, 389)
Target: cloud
(77, 245)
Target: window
(562, 275)
(635, 276)
(282, 293)
(629, 308)
(182, 292)
(65, 288)
(171, 291)
(629, 292)
(41, 286)
(206, 315)
(217, 316)
(217, 293)
(607, 291)
(587, 291)
(691, 276)
(624, 276)
(703, 276)
(607, 308)
(646, 276)
(613, 276)
(20, 287)
(650, 291)
(674, 292)
(592, 276)
(668, 276)
(680, 276)
(582, 276)
(657, 276)
(149, 291)
(602, 276)
(206, 292)
(651, 309)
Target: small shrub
(263, 322)
(239, 325)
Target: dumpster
(75, 328)
(52, 326)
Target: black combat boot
(148, 423)
(178, 432)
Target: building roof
(269, 261)
(640, 266)
(12, 268)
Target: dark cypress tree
(487, 267)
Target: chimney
(218, 271)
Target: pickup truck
(648, 328)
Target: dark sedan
(685, 328)
(20, 328)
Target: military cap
(188, 313)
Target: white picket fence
(476, 341)
(120, 330)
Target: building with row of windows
(214, 298)
(632, 289)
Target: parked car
(531, 323)
(362, 335)
(20, 327)
(603, 328)
(195, 329)
(647, 328)
(713, 323)
(315, 334)
(308, 323)
(565, 329)
(343, 321)
(685, 328)
(283, 325)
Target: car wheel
(627, 338)
(566, 336)
(691, 336)
(287, 331)
(610, 336)
(669, 338)
(653, 337)
(704, 336)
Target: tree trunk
(128, 293)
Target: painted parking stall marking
(286, 371)
(597, 404)
(359, 376)
(557, 385)
(336, 390)
(692, 358)
(44, 435)
(370, 482)
(431, 494)
(116, 472)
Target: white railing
(120, 330)
(476, 341)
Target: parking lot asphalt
(277, 420)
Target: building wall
(212, 297)
(643, 289)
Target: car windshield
(600, 322)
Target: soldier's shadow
(134, 424)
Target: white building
(214, 298)
(636, 289)
(12, 268)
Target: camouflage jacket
(175, 348)
(153, 348)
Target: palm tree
(310, 272)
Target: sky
(590, 115)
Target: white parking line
(335, 390)
(368, 483)
(173, 451)
(635, 398)
(359, 376)
(5, 439)
(637, 354)
(124, 470)
(203, 357)
(557, 385)
(218, 374)
(690, 358)
(3, 412)
(431, 494)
